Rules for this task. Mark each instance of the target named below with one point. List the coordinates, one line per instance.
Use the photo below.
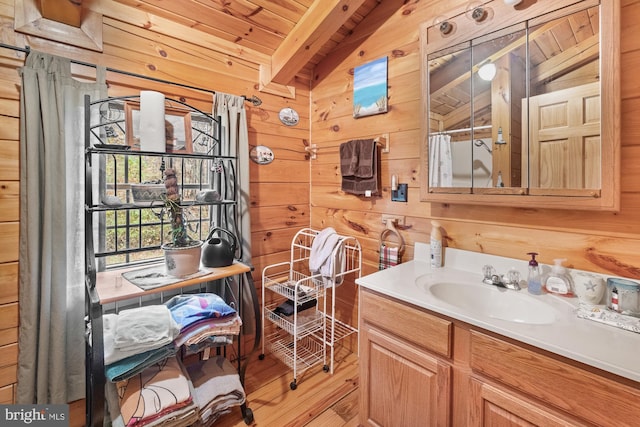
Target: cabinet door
(493, 406)
(401, 385)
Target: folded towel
(286, 308)
(359, 166)
(190, 308)
(142, 327)
(198, 331)
(133, 365)
(217, 387)
(154, 392)
(175, 416)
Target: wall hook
(312, 150)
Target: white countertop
(602, 346)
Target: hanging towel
(324, 259)
(356, 158)
(389, 256)
(359, 166)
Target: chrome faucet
(511, 280)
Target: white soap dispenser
(558, 281)
(436, 245)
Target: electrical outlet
(400, 195)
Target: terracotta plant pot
(182, 261)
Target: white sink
(490, 301)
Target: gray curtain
(235, 142)
(51, 275)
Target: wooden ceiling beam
(64, 11)
(573, 58)
(309, 35)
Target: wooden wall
(279, 191)
(603, 242)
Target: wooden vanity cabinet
(402, 382)
(479, 378)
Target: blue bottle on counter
(534, 281)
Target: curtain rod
(464, 130)
(252, 99)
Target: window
(135, 232)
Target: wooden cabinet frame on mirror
(500, 19)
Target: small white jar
(589, 287)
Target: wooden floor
(320, 399)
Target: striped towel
(389, 257)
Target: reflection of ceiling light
(487, 71)
(512, 2)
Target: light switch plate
(400, 195)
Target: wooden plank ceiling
(294, 34)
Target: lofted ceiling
(286, 38)
(295, 34)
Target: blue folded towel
(133, 365)
(189, 308)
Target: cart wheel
(325, 368)
(248, 416)
(293, 385)
(261, 356)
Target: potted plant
(182, 254)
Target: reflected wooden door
(564, 144)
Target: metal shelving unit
(202, 168)
(308, 337)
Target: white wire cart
(300, 306)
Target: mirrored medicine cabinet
(521, 105)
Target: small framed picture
(370, 88)
(177, 124)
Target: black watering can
(218, 252)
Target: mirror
(521, 108)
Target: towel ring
(391, 229)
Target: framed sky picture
(370, 88)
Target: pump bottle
(558, 281)
(436, 245)
(534, 281)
